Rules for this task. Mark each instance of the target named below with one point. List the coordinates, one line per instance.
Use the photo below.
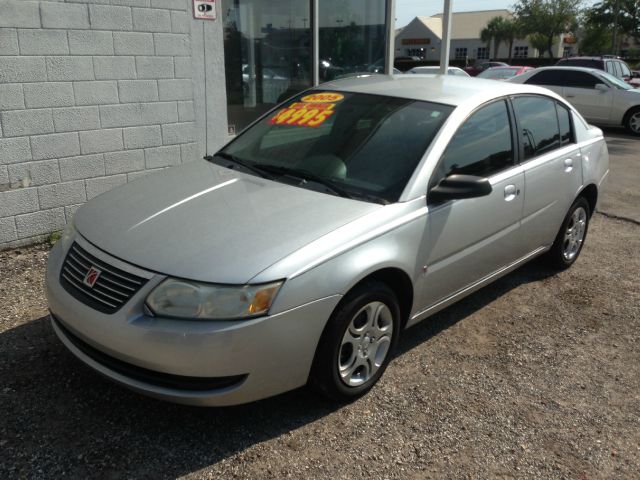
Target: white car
(601, 98)
(436, 70)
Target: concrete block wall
(93, 94)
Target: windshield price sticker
(324, 97)
(303, 114)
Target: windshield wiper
(232, 158)
(307, 176)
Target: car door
(580, 90)
(552, 166)
(468, 239)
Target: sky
(406, 10)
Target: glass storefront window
(352, 37)
(267, 52)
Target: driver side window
(482, 146)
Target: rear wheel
(357, 343)
(568, 243)
(632, 121)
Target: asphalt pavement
(622, 194)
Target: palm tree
(493, 31)
(511, 30)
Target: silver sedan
(301, 251)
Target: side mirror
(601, 87)
(635, 74)
(457, 186)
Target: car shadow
(61, 418)
(620, 142)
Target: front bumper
(243, 361)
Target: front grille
(112, 289)
(153, 377)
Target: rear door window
(609, 68)
(538, 124)
(548, 77)
(564, 121)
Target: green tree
(601, 19)
(548, 18)
(539, 42)
(595, 40)
(511, 30)
(493, 32)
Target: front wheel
(568, 243)
(357, 343)
(632, 121)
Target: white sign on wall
(204, 9)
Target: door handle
(570, 96)
(510, 192)
(568, 165)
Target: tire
(632, 121)
(570, 239)
(357, 343)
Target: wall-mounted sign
(416, 41)
(204, 9)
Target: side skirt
(451, 299)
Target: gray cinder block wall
(93, 94)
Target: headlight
(185, 299)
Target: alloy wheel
(634, 122)
(574, 234)
(365, 344)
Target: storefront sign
(204, 9)
(416, 41)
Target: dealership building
(96, 93)
(422, 38)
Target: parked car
(482, 66)
(301, 250)
(610, 64)
(436, 70)
(503, 73)
(408, 59)
(600, 97)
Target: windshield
(499, 73)
(362, 146)
(615, 81)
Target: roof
(464, 25)
(446, 89)
(470, 24)
(433, 24)
(415, 28)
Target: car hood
(204, 222)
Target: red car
(503, 73)
(481, 67)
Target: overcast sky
(406, 10)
